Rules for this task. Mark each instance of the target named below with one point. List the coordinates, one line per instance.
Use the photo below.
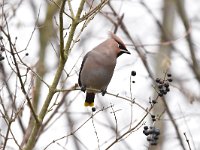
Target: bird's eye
(121, 46)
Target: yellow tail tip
(89, 104)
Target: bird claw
(83, 88)
(103, 92)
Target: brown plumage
(98, 65)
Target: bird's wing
(79, 77)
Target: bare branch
(19, 75)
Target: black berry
(156, 137)
(165, 92)
(153, 142)
(146, 132)
(157, 80)
(133, 73)
(157, 131)
(170, 80)
(167, 89)
(145, 127)
(93, 109)
(166, 84)
(160, 86)
(169, 75)
(149, 138)
(154, 101)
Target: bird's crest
(118, 40)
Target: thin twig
(19, 74)
(116, 124)
(130, 130)
(70, 8)
(8, 130)
(95, 131)
(188, 142)
(59, 8)
(94, 10)
(73, 132)
(174, 124)
(10, 96)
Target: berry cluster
(2, 49)
(152, 134)
(163, 85)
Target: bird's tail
(89, 101)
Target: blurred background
(162, 36)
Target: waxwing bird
(98, 66)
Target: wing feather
(79, 77)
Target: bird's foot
(83, 88)
(103, 92)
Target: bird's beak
(125, 51)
